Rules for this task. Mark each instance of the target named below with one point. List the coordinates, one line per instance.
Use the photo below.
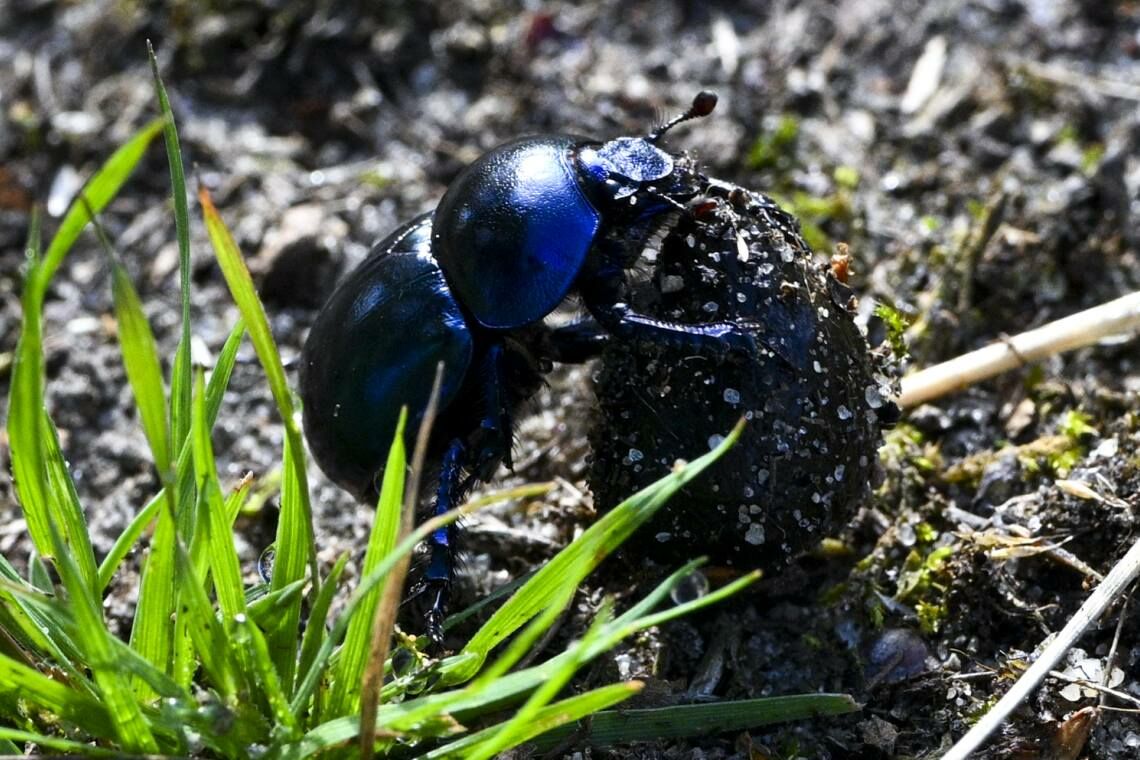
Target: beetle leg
(602, 294)
(493, 445)
(575, 343)
(441, 565)
(720, 337)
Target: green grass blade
(140, 360)
(623, 627)
(213, 557)
(68, 746)
(128, 538)
(594, 545)
(54, 618)
(26, 391)
(100, 190)
(215, 391)
(310, 679)
(296, 542)
(25, 407)
(518, 648)
(649, 602)
(155, 634)
(220, 376)
(180, 381)
(25, 402)
(66, 507)
(28, 432)
(203, 628)
(547, 719)
(414, 714)
(233, 502)
(134, 665)
(266, 610)
(253, 652)
(705, 719)
(511, 687)
(245, 296)
(220, 551)
(485, 602)
(515, 730)
(152, 634)
(289, 563)
(528, 722)
(385, 533)
(186, 516)
(44, 621)
(315, 627)
(343, 730)
(42, 480)
(521, 645)
(92, 635)
(18, 624)
(192, 582)
(38, 574)
(20, 682)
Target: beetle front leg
(603, 295)
(719, 337)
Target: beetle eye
(594, 166)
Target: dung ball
(816, 398)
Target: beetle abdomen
(513, 231)
(374, 348)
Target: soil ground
(981, 158)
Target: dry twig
(1079, 80)
(1122, 574)
(1084, 328)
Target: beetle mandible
(516, 232)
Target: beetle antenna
(703, 105)
(654, 193)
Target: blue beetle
(516, 232)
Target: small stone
(299, 257)
(898, 654)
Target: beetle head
(627, 164)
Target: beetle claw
(433, 620)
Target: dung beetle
(537, 218)
(516, 232)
